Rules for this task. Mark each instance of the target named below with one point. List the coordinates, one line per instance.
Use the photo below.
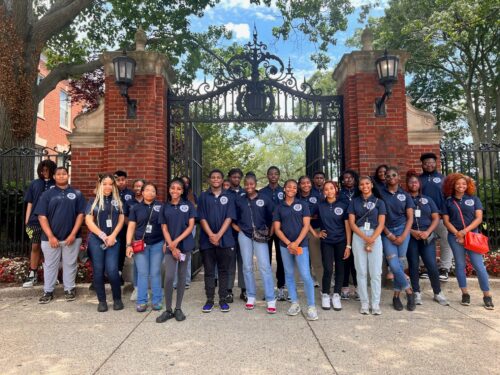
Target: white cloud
(264, 16)
(243, 4)
(240, 30)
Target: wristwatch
(128, 245)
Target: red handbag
(476, 242)
(138, 246)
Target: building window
(41, 106)
(64, 110)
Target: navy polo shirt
(360, 206)
(126, 195)
(274, 195)
(215, 210)
(432, 186)
(110, 211)
(347, 195)
(291, 219)
(332, 218)
(262, 212)
(132, 202)
(427, 207)
(380, 185)
(176, 217)
(61, 207)
(396, 204)
(33, 194)
(140, 215)
(312, 200)
(468, 204)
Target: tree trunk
(7, 138)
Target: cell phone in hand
(182, 257)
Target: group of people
(322, 230)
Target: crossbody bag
(258, 235)
(476, 242)
(138, 246)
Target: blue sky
(240, 16)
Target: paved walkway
(72, 338)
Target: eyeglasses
(389, 175)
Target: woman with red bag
(463, 213)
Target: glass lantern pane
(129, 70)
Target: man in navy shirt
(274, 192)
(318, 182)
(216, 211)
(235, 175)
(45, 181)
(60, 212)
(127, 197)
(432, 185)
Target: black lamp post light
(387, 71)
(124, 77)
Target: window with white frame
(41, 105)
(64, 110)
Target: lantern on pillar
(124, 77)
(387, 71)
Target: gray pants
(170, 266)
(52, 258)
(446, 253)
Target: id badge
(367, 226)
(149, 228)
(109, 223)
(418, 213)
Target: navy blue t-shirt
(111, 212)
(61, 207)
(140, 214)
(262, 212)
(427, 207)
(396, 204)
(332, 218)
(33, 194)
(432, 186)
(312, 200)
(347, 195)
(276, 196)
(176, 217)
(468, 204)
(291, 219)
(126, 195)
(215, 210)
(371, 207)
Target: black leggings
(331, 253)
(280, 270)
(349, 270)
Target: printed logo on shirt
(436, 180)
(128, 197)
(114, 203)
(71, 195)
(157, 207)
(313, 200)
(370, 205)
(223, 200)
(469, 202)
(259, 203)
(297, 207)
(402, 197)
(280, 195)
(424, 200)
(52, 187)
(339, 211)
(184, 208)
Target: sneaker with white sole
(133, 297)
(271, 307)
(250, 305)
(337, 305)
(325, 301)
(376, 310)
(344, 294)
(418, 298)
(312, 313)
(281, 294)
(365, 310)
(441, 299)
(31, 280)
(294, 309)
(356, 295)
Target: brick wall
(85, 166)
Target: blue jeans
(418, 249)
(149, 267)
(247, 249)
(395, 256)
(302, 261)
(105, 261)
(477, 262)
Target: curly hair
(451, 180)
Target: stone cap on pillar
(422, 129)
(89, 129)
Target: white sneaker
(418, 298)
(312, 313)
(441, 299)
(337, 305)
(364, 309)
(376, 310)
(325, 301)
(133, 297)
(294, 309)
(31, 280)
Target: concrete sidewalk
(73, 338)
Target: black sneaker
(410, 302)
(118, 304)
(423, 275)
(179, 315)
(46, 298)
(70, 295)
(465, 299)
(398, 305)
(488, 303)
(30, 280)
(166, 315)
(443, 274)
(230, 296)
(243, 295)
(102, 307)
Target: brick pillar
(370, 140)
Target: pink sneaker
(271, 310)
(249, 306)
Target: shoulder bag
(138, 246)
(476, 242)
